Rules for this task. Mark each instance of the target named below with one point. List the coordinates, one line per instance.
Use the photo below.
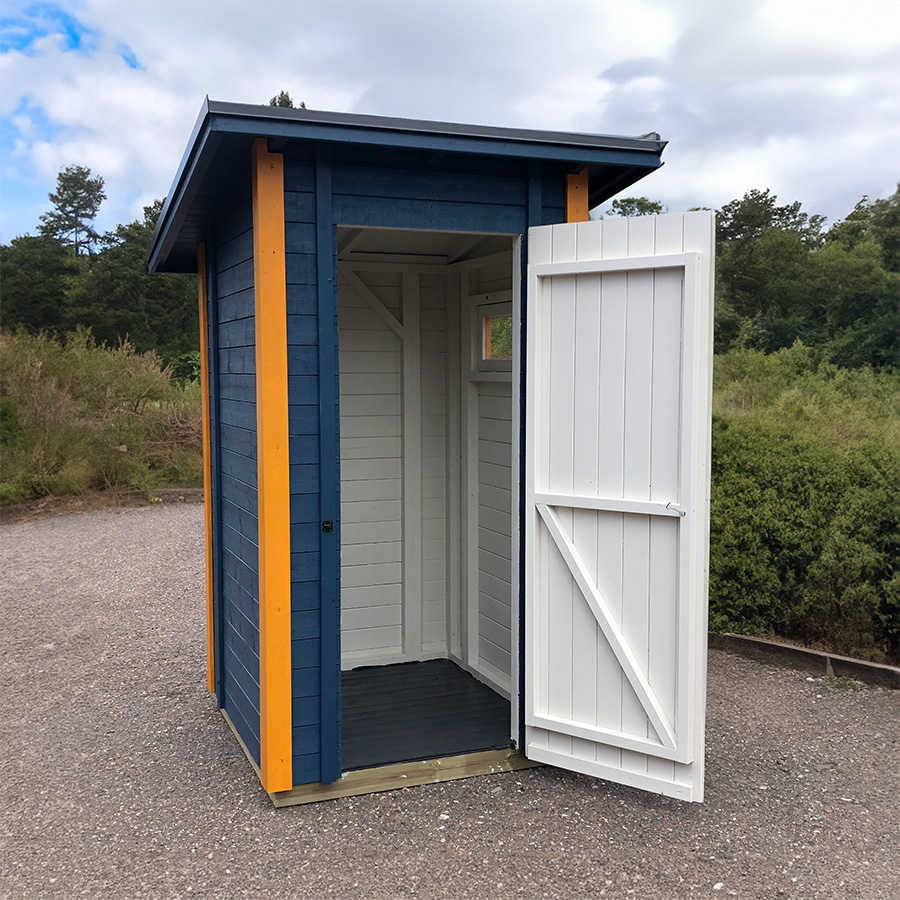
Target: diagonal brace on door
(611, 631)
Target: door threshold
(397, 775)
(407, 774)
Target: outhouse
(456, 450)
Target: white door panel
(617, 444)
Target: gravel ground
(120, 779)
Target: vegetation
(76, 415)
(635, 206)
(76, 202)
(283, 99)
(52, 284)
(805, 507)
(98, 389)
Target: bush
(77, 415)
(806, 463)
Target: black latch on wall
(328, 526)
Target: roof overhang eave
(217, 122)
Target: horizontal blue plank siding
(241, 441)
(305, 739)
(553, 199)
(304, 709)
(429, 214)
(238, 413)
(242, 521)
(246, 578)
(306, 767)
(238, 361)
(236, 306)
(304, 508)
(240, 493)
(301, 361)
(442, 187)
(237, 590)
(304, 536)
(303, 421)
(304, 449)
(305, 596)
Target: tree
(781, 278)
(76, 201)
(37, 272)
(635, 206)
(283, 99)
(756, 211)
(879, 221)
(118, 298)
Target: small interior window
(496, 342)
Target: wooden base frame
(400, 775)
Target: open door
(617, 498)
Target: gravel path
(120, 779)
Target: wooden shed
(456, 450)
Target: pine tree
(76, 201)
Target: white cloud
(800, 97)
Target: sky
(802, 98)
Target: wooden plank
(610, 504)
(207, 467)
(274, 468)
(367, 294)
(386, 640)
(236, 306)
(577, 196)
(412, 467)
(637, 553)
(399, 212)
(371, 553)
(394, 777)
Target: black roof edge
(164, 235)
(647, 142)
(154, 251)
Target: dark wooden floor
(421, 710)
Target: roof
(218, 150)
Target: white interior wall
(432, 290)
(426, 469)
(488, 509)
(371, 472)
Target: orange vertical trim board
(207, 466)
(577, 196)
(273, 469)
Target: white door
(617, 498)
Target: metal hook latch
(674, 508)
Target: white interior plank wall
(487, 392)
(426, 470)
(433, 358)
(371, 398)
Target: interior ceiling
(428, 247)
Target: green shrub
(806, 464)
(78, 415)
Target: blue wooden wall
(233, 414)
(319, 195)
(303, 400)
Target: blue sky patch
(23, 24)
(43, 128)
(128, 56)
